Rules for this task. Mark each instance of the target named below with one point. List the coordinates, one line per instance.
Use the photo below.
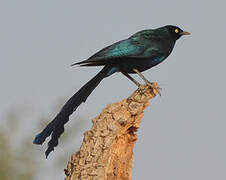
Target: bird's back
(152, 44)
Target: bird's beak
(185, 33)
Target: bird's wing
(125, 48)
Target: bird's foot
(149, 85)
(154, 87)
(141, 89)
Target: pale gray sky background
(182, 135)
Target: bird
(139, 52)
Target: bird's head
(176, 32)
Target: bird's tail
(56, 127)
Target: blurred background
(182, 135)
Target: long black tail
(56, 127)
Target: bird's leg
(134, 81)
(130, 78)
(142, 76)
(146, 81)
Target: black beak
(185, 33)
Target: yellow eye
(176, 30)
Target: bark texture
(107, 149)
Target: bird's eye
(176, 30)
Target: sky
(182, 135)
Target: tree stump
(107, 149)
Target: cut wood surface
(107, 149)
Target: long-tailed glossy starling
(140, 52)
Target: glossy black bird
(138, 53)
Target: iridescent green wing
(137, 46)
